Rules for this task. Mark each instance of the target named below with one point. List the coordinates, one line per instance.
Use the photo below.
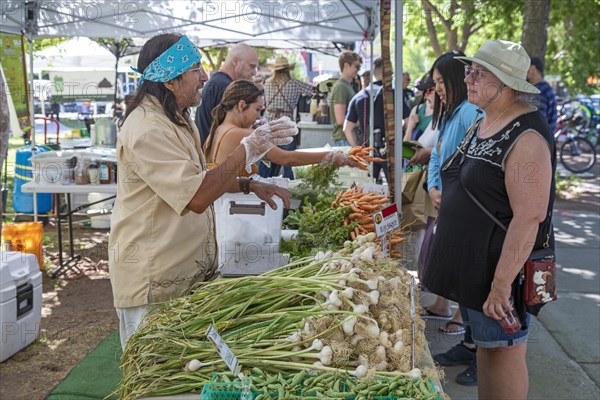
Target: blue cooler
(23, 202)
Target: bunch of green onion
(263, 320)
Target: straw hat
(507, 60)
(282, 63)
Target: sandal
(448, 329)
(428, 314)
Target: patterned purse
(538, 275)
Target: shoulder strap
(492, 216)
(279, 87)
(222, 136)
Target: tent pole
(398, 98)
(42, 94)
(117, 56)
(372, 108)
(31, 93)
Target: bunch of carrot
(361, 156)
(363, 206)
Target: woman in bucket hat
(506, 164)
(281, 95)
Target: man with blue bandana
(163, 225)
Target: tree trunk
(431, 31)
(452, 39)
(535, 27)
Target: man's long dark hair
(453, 74)
(150, 51)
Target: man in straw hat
(282, 93)
(498, 198)
(241, 63)
(163, 222)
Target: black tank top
(467, 243)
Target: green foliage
(320, 227)
(573, 34)
(574, 43)
(316, 179)
(565, 185)
(41, 44)
(118, 47)
(321, 177)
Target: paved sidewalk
(563, 354)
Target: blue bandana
(173, 62)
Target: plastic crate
(233, 391)
(223, 391)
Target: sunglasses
(475, 72)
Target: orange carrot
(369, 227)
(354, 150)
(367, 219)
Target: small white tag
(386, 220)
(224, 351)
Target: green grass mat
(96, 376)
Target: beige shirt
(157, 247)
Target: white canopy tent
(240, 20)
(315, 24)
(77, 54)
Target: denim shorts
(487, 332)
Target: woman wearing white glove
(232, 121)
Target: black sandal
(444, 328)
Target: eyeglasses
(476, 72)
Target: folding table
(57, 190)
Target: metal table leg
(71, 262)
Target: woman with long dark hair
(452, 117)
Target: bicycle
(576, 153)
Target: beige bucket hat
(507, 60)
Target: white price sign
(386, 220)
(226, 354)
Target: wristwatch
(244, 184)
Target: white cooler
(20, 301)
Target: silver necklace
(496, 120)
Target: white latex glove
(337, 158)
(265, 137)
